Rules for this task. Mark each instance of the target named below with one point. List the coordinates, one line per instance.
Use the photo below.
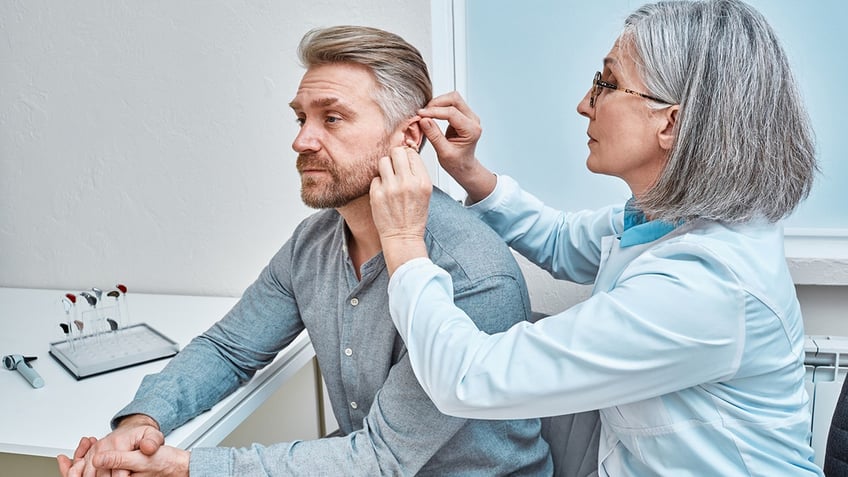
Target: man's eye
(300, 121)
(333, 119)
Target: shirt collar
(638, 230)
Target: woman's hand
(400, 200)
(455, 148)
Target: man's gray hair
(400, 71)
(744, 146)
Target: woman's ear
(668, 133)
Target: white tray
(112, 350)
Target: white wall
(149, 142)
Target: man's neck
(364, 240)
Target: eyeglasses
(597, 84)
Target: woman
(691, 344)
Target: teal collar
(638, 230)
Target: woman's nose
(583, 107)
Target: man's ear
(412, 133)
(668, 131)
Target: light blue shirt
(691, 344)
(387, 424)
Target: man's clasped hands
(136, 447)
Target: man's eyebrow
(326, 103)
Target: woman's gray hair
(400, 71)
(744, 145)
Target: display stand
(100, 337)
(107, 351)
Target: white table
(50, 420)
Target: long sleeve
(217, 362)
(565, 244)
(644, 339)
(388, 443)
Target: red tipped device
(71, 296)
(123, 288)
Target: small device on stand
(100, 338)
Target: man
(356, 102)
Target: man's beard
(345, 185)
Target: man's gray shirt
(389, 425)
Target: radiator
(826, 360)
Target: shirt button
(354, 301)
(354, 405)
(348, 351)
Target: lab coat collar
(639, 230)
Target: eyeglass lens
(596, 88)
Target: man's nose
(306, 140)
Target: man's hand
(400, 200)
(137, 432)
(456, 147)
(167, 461)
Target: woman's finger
(434, 134)
(401, 163)
(386, 169)
(455, 100)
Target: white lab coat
(691, 344)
